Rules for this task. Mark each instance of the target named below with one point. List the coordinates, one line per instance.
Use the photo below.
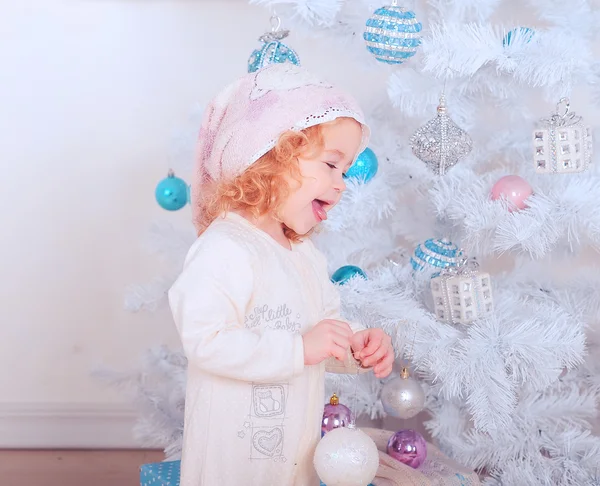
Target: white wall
(90, 95)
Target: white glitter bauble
(346, 457)
(403, 397)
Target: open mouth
(319, 211)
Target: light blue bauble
(345, 273)
(365, 167)
(156, 473)
(435, 253)
(172, 193)
(272, 52)
(524, 32)
(392, 34)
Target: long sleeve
(209, 302)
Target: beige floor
(73, 468)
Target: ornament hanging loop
(563, 115)
(564, 102)
(463, 260)
(276, 33)
(275, 22)
(442, 105)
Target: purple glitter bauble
(408, 447)
(335, 415)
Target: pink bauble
(335, 415)
(408, 447)
(514, 189)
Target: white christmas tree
(512, 393)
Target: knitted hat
(245, 120)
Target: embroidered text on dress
(279, 318)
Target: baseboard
(65, 425)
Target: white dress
(253, 409)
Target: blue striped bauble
(435, 253)
(392, 34)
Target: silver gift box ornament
(462, 294)
(562, 144)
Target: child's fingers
(387, 362)
(341, 326)
(338, 337)
(375, 357)
(341, 340)
(383, 373)
(339, 352)
(358, 343)
(374, 343)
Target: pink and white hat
(245, 120)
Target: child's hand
(373, 348)
(328, 338)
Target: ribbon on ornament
(558, 119)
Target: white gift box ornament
(562, 144)
(462, 294)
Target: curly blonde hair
(263, 187)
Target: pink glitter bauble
(514, 189)
(408, 447)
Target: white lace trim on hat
(325, 116)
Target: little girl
(256, 312)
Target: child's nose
(339, 184)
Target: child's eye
(331, 166)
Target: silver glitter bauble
(346, 457)
(441, 143)
(403, 397)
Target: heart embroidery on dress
(267, 442)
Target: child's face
(323, 183)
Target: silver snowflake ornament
(441, 143)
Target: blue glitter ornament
(273, 50)
(435, 253)
(524, 32)
(392, 34)
(365, 167)
(345, 273)
(160, 473)
(172, 193)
